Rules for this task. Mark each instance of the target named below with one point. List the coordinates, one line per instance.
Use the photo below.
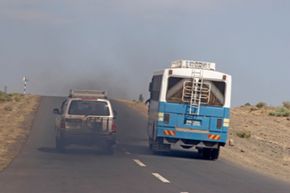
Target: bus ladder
(196, 91)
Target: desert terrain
(17, 113)
(257, 140)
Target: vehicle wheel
(153, 143)
(153, 146)
(155, 150)
(109, 149)
(200, 152)
(210, 153)
(150, 145)
(215, 154)
(60, 144)
(158, 147)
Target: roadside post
(25, 80)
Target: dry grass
(17, 112)
(280, 112)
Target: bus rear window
(183, 90)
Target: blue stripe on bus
(206, 121)
(209, 111)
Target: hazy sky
(117, 44)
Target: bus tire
(153, 141)
(150, 144)
(109, 149)
(154, 146)
(210, 153)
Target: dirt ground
(267, 149)
(15, 123)
(258, 141)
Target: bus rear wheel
(157, 146)
(153, 146)
(210, 153)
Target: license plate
(193, 122)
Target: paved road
(132, 169)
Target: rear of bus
(184, 124)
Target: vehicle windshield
(209, 92)
(96, 108)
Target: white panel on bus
(193, 64)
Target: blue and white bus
(189, 108)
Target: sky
(117, 44)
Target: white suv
(86, 117)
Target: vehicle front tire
(109, 148)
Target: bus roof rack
(193, 64)
(91, 94)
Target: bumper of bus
(192, 136)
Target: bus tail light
(166, 118)
(219, 123)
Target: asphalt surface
(131, 169)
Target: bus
(189, 108)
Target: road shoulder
(17, 114)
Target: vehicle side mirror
(56, 111)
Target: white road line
(125, 151)
(139, 163)
(161, 178)
(184, 192)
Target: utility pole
(25, 80)
(5, 89)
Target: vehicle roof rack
(88, 94)
(193, 64)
